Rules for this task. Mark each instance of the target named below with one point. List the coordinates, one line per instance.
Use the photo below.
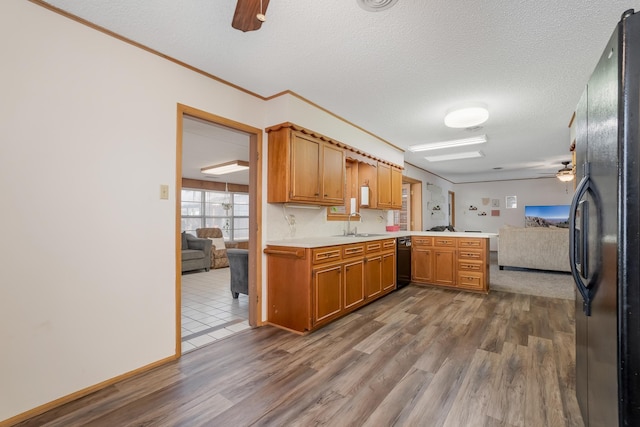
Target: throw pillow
(185, 244)
(218, 242)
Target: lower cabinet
(327, 286)
(373, 276)
(353, 283)
(308, 288)
(453, 262)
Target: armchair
(219, 252)
(196, 253)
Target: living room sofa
(196, 253)
(541, 248)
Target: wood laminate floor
(419, 357)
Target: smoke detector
(376, 5)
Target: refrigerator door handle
(581, 191)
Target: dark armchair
(196, 253)
(239, 264)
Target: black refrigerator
(605, 234)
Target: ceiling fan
(249, 14)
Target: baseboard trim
(84, 392)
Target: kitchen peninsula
(313, 281)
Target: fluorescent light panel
(457, 156)
(225, 168)
(481, 139)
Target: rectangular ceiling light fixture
(224, 168)
(457, 156)
(481, 139)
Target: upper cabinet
(305, 169)
(389, 187)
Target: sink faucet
(349, 232)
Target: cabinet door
(333, 174)
(421, 264)
(372, 276)
(327, 286)
(444, 268)
(384, 185)
(388, 271)
(305, 168)
(353, 283)
(396, 188)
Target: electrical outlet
(292, 219)
(164, 192)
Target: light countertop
(319, 241)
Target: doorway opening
(210, 133)
(409, 217)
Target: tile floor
(209, 312)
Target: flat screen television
(547, 216)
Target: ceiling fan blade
(244, 18)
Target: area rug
(531, 282)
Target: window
(227, 211)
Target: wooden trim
(178, 237)
(103, 30)
(82, 393)
(292, 93)
(434, 174)
(452, 214)
(141, 46)
(330, 141)
(255, 209)
(573, 117)
(199, 184)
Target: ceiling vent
(376, 5)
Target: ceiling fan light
(565, 176)
(465, 117)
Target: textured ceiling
(396, 72)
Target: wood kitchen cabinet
(454, 262)
(389, 187)
(327, 297)
(304, 169)
(422, 259)
(310, 287)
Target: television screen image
(556, 216)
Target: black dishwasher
(403, 261)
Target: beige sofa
(539, 248)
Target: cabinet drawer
(470, 243)
(449, 242)
(422, 241)
(470, 266)
(470, 254)
(389, 244)
(352, 250)
(332, 253)
(375, 246)
(471, 280)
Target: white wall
(429, 219)
(88, 125)
(544, 191)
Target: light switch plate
(164, 192)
